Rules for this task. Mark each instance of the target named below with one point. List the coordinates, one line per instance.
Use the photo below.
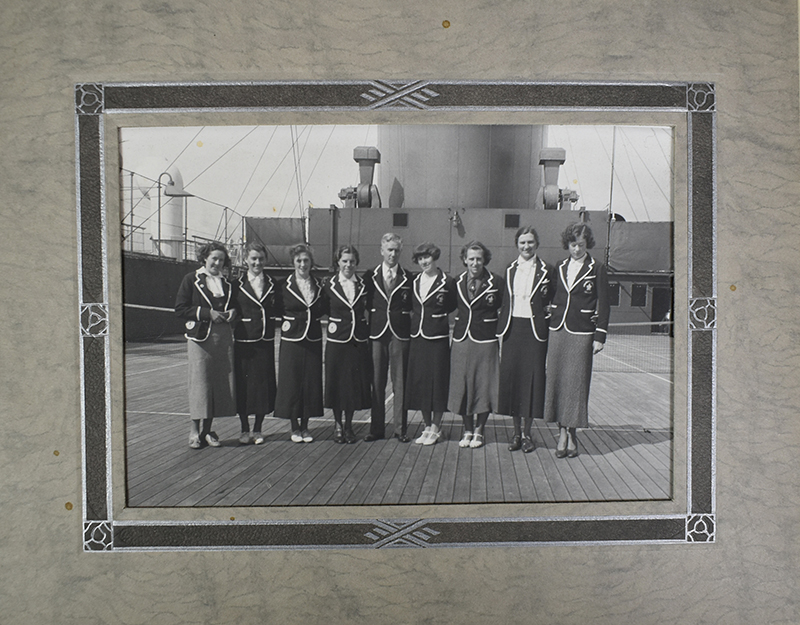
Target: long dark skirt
(211, 377)
(428, 377)
(299, 380)
(474, 373)
(255, 377)
(569, 373)
(522, 372)
(348, 376)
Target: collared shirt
(389, 274)
(425, 283)
(214, 283)
(348, 286)
(306, 290)
(474, 285)
(522, 287)
(257, 282)
(573, 269)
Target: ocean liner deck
(626, 454)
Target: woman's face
(302, 264)
(348, 264)
(474, 263)
(526, 244)
(577, 248)
(215, 261)
(255, 261)
(426, 263)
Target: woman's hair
(575, 231)
(347, 249)
(300, 248)
(426, 249)
(205, 250)
(527, 230)
(255, 246)
(476, 245)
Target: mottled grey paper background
(749, 50)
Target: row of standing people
(392, 323)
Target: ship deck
(626, 454)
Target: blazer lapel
(438, 284)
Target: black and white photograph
(346, 315)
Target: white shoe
(212, 439)
(477, 441)
(194, 441)
(258, 438)
(425, 434)
(466, 440)
(244, 438)
(433, 438)
(297, 437)
(307, 438)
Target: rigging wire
(636, 180)
(225, 153)
(647, 169)
(253, 173)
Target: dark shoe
(573, 453)
(403, 437)
(516, 443)
(349, 436)
(372, 437)
(561, 453)
(338, 435)
(527, 445)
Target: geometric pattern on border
(703, 313)
(89, 99)
(401, 534)
(94, 319)
(386, 94)
(97, 536)
(701, 528)
(701, 97)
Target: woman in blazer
(428, 377)
(299, 394)
(348, 360)
(255, 343)
(578, 326)
(523, 332)
(205, 302)
(474, 368)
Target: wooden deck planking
(626, 454)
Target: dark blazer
(477, 319)
(346, 321)
(194, 303)
(429, 315)
(300, 320)
(541, 295)
(583, 309)
(256, 319)
(389, 312)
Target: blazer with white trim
(541, 295)
(300, 320)
(389, 312)
(346, 320)
(256, 321)
(194, 303)
(429, 315)
(477, 319)
(584, 308)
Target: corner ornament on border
(98, 536)
(89, 98)
(701, 97)
(703, 314)
(701, 528)
(401, 534)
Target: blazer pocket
(439, 315)
(333, 319)
(591, 311)
(489, 320)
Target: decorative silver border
(698, 525)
